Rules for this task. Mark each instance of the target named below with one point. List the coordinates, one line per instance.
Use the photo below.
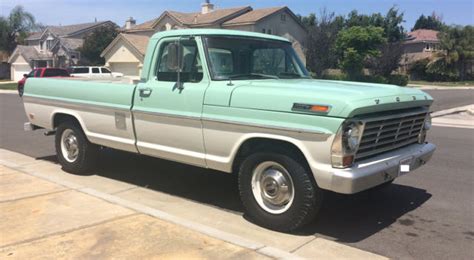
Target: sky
(64, 12)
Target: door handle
(145, 92)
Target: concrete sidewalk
(54, 214)
(41, 219)
(460, 117)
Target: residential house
(419, 44)
(122, 56)
(55, 46)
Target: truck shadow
(345, 218)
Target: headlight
(424, 130)
(427, 124)
(345, 144)
(351, 136)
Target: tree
(431, 22)
(356, 45)
(15, 28)
(322, 34)
(388, 59)
(457, 44)
(96, 42)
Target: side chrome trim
(74, 105)
(149, 113)
(109, 109)
(262, 126)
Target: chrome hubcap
(69, 145)
(272, 187)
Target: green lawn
(444, 84)
(8, 85)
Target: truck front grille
(389, 132)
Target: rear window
(55, 73)
(80, 70)
(104, 70)
(95, 70)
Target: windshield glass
(240, 58)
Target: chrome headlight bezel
(427, 124)
(346, 143)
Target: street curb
(450, 111)
(260, 248)
(8, 91)
(439, 87)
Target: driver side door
(168, 117)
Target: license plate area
(405, 165)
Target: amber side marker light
(318, 108)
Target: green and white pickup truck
(241, 103)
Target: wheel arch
(265, 142)
(59, 117)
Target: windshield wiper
(253, 75)
(292, 75)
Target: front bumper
(377, 170)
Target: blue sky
(55, 12)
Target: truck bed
(103, 107)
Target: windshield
(252, 58)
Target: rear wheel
(277, 191)
(75, 153)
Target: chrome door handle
(145, 92)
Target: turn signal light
(319, 108)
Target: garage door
(127, 68)
(17, 71)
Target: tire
(83, 156)
(274, 213)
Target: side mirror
(174, 56)
(25, 75)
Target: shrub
(397, 79)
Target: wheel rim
(272, 187)
(69, 145)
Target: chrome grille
(388, 133)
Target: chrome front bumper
(377, 170)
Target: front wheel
(75, 153)
(278, 192)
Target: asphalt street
(427, 214)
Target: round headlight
(427, 124)
(352, 136)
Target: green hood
(345, 98)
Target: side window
(104, 70)
(191, 64)
(80, 70)
(32, 74)
(95, 70)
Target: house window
(49, 44)
(283, 17)
(263, 30)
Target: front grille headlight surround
(426, 126)
(345, 144)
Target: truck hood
(345, 98)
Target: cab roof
(196, 32)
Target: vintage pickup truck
(241, 103)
